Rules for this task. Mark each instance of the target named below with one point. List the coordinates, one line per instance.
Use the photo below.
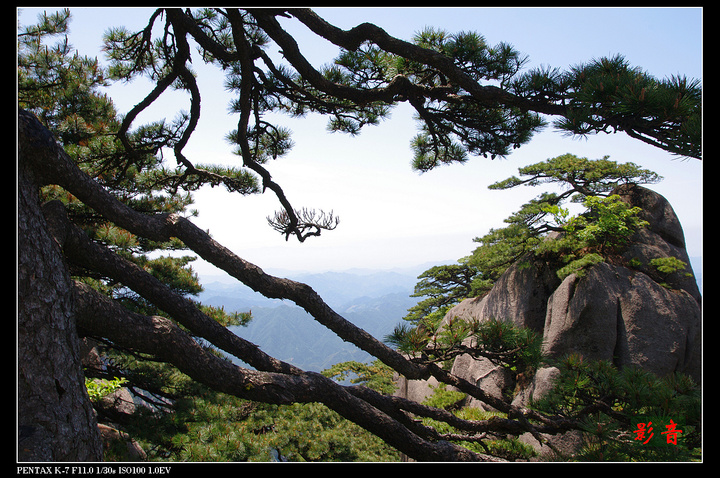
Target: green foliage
(612, 401)
(63, 90)
(609, 224)
(498, 250)
(515, 348)
(606, 94)
(312, 432)
(216, 427)
(59, 87)
(172, 271)
(188, 422)
(604, 228)
(668, 265)
(578, 266)
(99, 388)
(508, 448)
(376, 375)
(450, 131)
(444, 398)
(582, 176)
(577, 243)
(408, 339)
(428, 154)
(443, 286)
(225, 318)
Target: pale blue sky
(390, 215)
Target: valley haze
(375, 300)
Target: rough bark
(55, 417)
(98, 315)
(273, 381)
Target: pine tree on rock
(115, 203)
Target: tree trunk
(56, 421)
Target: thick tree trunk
(55, 417)
(56, 421)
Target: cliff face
(627, 315)
(623, 316)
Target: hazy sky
(391, 216)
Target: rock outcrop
(622, 310)
(621, 315)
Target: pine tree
(610, 401)
(620, 399)
(606, 225)
(471, 99)
(63, 90)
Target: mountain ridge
(374, 300)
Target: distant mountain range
(375, 301)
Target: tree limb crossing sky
(391, 216)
